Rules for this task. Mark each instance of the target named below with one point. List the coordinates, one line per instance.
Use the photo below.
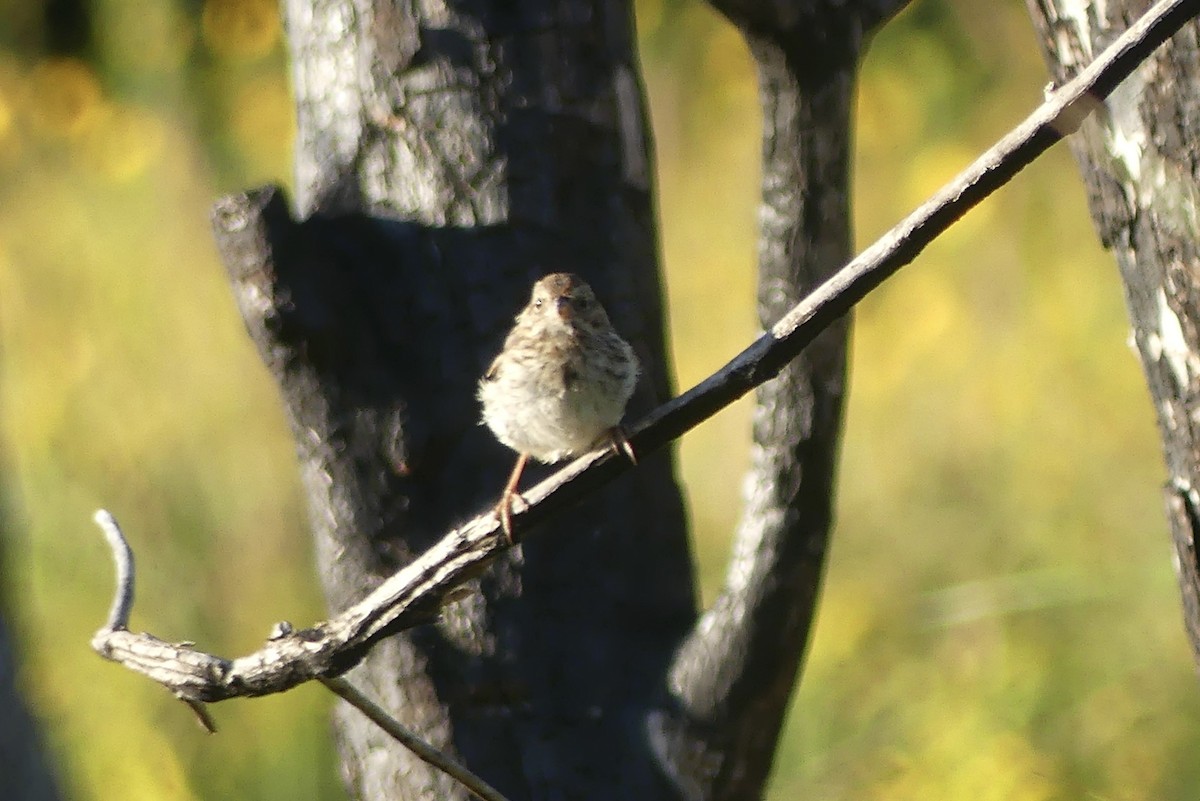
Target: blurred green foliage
(1000, 619)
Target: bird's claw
(619, 442)
(504, 511)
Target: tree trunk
(735, 673)
(24, 772)
(1138, 158)
(447, 157)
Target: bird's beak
(563, 307)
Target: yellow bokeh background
(1000, 619)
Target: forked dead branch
(414, 594)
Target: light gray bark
(1138, 157)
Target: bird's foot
(619, 443)
(504, 511)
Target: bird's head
(567, 298)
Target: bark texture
(446, 157)
(1139, 161)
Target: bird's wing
(492, 371)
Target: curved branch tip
(122, 605)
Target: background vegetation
(1000, 618)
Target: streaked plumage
(560, 385)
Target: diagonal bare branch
(414, 594)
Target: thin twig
(203, 717)
(409, 739)
(122, 604)
(406, 598)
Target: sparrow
(560, 385)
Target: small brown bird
(560, 385)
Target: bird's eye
(537, 303)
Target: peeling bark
(1140, 165)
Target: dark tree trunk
(447, 156)
(736, 670)
(1138, 158)
(444, 163)
(25, 774)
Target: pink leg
(504, 508)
